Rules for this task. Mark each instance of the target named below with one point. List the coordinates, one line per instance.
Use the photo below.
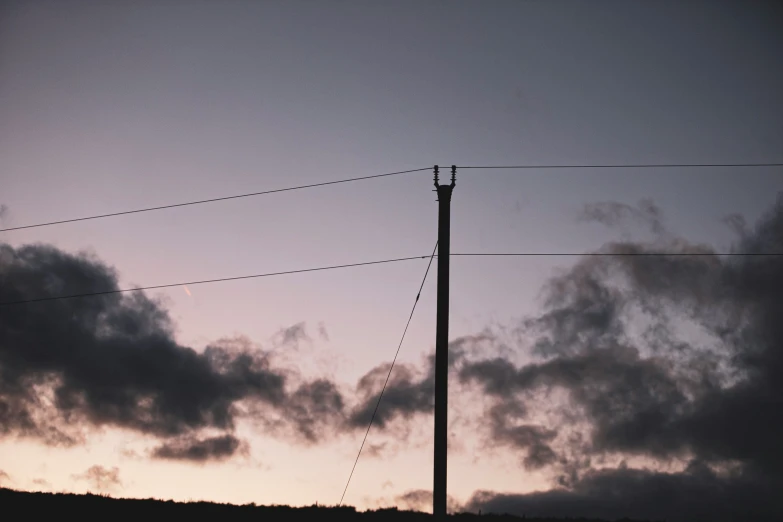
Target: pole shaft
(441, 353)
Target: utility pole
(442, 346)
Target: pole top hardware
(436, 171)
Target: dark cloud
(111, 360)
(70, 365)
(409, 391)
(292, 335)
(669, 359)
(194, 449)
(612, 494)
(315, 408)
(533, 438)
(468, 346)
(421, 500)
(622, 395)
(101, 478)
(314, 411)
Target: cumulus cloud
(314, 408)
(109, 359)
(69, 365)
(409, 392)
(193, 449)
(101, 478)
(675, 360)
(314, 411)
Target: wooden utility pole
(442, 346)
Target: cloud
(737, 224)
(622, 395)
(314, 411)
(675, 361)
(314, 408)
(70, 365)
(409, 391)
(612, 494)
(3, 212)
(421, 500)
(614, 214)
(4, 477)
(533, 438)
(322, 333)
(292, 335)
(191, 448)
(101, 478)
(376, 450)
(110, 359)
(42, 483)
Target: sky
(257, 390)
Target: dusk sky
(257, 390)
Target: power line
(627, 166)
(268, 274)
(418, 295)
(212, 200)
(366, 263)
(619, 254)
(325, 183)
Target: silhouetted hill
(93, 506)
